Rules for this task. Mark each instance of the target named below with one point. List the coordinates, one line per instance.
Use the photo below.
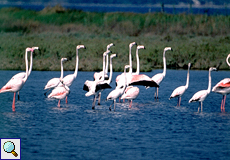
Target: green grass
(200, 39)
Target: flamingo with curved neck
(201, 95)
(158, 78)
(179, 91)
(223, 87)
(137, 57)
(15, 84)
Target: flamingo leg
(130, 103)
(201, 104)
(114, 102)
(110, 106)
(157, 92)
(18, 96)
(198, 108)
(223, 105)
(13, 105)
(94, 101)
(119, 99)
(66, 100)
(99, 99)
(59, 102)
(179, 101)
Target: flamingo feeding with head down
(60, 92)
(158, 78)
(54, 82)
(223, 87)
(117, 92)
(23, 74)
(179, 91)
(15, 84)
(201, 95)
(68, 80)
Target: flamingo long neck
(76, 68)
(209, 82)
(31, 62)
(26, 61)
(130, 61)
(61, 70)
(103, 69)
(138, 63)
(164, 61)
(187, 82)
(227, 60)
(111, 71)
(107, 64)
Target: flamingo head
(189, 65)
(106, 52)
(28, 49)
(127, 66)
(110, 45)
(132, 44)
(140, 47)
(80, 46)
(212, 69)
(168, 49)
(64, 59)
(113, 55)
(33, 48)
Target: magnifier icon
(9, 147)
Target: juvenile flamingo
(23, 74)
(54, 82)
(179, 91)
(223, 87)
(15, 84)
(158, 78)
(68, 80)
(201, 95)
(60, 92)
(117, 92)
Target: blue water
(149, 130)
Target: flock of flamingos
(125, 83)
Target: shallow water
(149, 130)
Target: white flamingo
(117, 92)
(179, 91)
(138, 61)
(158, 78)
(96, 86)
(60, 92)
(15, 84)
(223, 87)
(23, 74)
(54, 82)
(68, 80)
(201, 95)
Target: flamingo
(54, 82)
(15, 84)
(179, 91)
(23, 74)
(137, 57)
(201, 95)
(223, 87)
(158, 78)
(130, 93)
(96, 86)
(98, 75)
(117, 92)
(60, 92)
(68, 80)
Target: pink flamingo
(54, 82)
(223, 87)
(68, 80)
(23, 74)
(130, 93)
(60, 92)
(158, 78)
(15, 84)
(179, 91)
(117, 92)
(201, 95)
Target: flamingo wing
(13, 85)
(102, 86)
(158, 78)
(130, 93)
(199, 96)
(52, 83)
(179, 91)
(58, 93)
